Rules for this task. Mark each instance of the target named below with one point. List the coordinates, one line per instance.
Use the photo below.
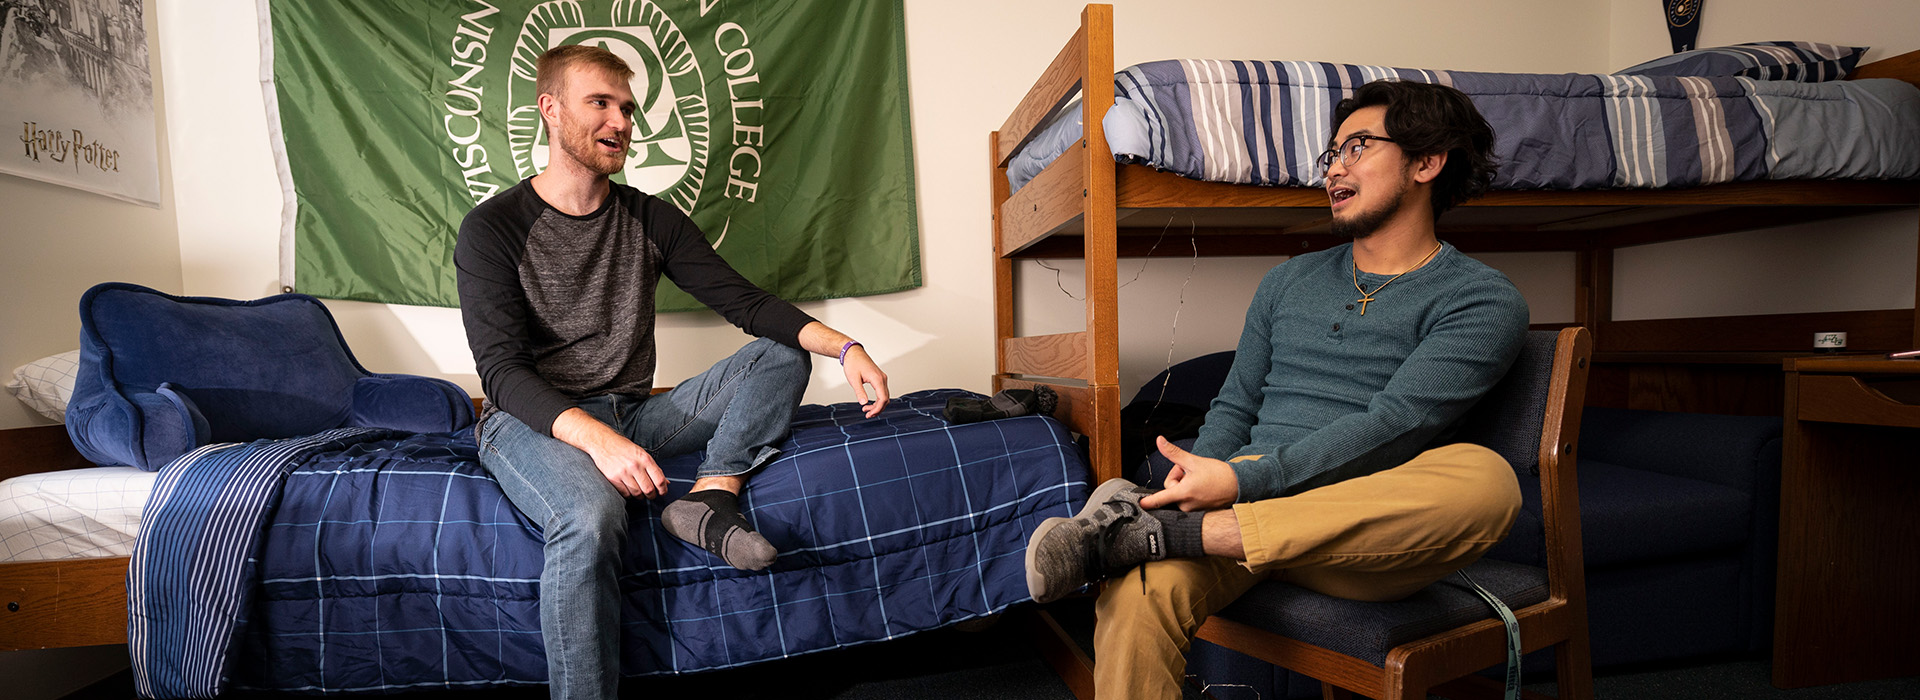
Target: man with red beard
(557, 278)
(1326, 460)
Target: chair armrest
(1731, 451)
(411, 403)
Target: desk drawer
(1847, 399)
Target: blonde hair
(554, 63)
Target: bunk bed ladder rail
(1072, 189)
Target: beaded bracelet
(845, 348)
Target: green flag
(779, 126)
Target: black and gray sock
(711, 520)
(1009, 403)
(1182, 531)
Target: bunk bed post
(1593, 290)
(1002, 265)
(1099, 234)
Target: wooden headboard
(1905, 66)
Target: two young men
(1325, 460)
(556, 279)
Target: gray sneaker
(1108, 537)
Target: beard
(578, 143)
(1362, 224)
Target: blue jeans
(738, 410)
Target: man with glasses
(1325, 460)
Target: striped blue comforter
(364, 560)
(1265, 122)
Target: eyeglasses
(1349, 151)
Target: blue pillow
(161, 375)
(1803, 61)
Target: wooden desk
(1848, 606)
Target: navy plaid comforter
(383, 561)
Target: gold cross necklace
(1366, 296)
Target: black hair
(1425, 119)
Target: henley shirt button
(1336, 326)
(1349, 307)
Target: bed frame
(1086, 206)
(62, 602)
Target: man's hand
(861, 372)
(625, 465)
(1196, 483)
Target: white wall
(1858, 263)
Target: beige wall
(55, 242)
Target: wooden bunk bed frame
(1086, 206)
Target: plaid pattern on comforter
(391, 561)
(1265, 123)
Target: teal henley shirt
(1319, 393)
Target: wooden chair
(1435, 639)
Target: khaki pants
(1377, 537)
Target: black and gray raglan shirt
(559, 308)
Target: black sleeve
(693, 265)
(494, 309)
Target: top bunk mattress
(1265, 122)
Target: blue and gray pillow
(1802, 61)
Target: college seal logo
(671, 130)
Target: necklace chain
(1366, 296)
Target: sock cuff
(714, 497)
(1183, 532)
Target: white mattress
(70, 514)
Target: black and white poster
(76, 91)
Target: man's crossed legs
(1377, 537)
(737, 410)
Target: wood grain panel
(1055, 88)
(41, 448)
(1064, 355)
(64, 603)
(1051, 200)
(1100, 223)
(1845, 610)
(1713, 223)
(1745, 390)
(1143, 187)
(1003, 298)
(1905, 66)
(1139, 186)
(1846, 399)
(1869, 331)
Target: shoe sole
(1036, 584)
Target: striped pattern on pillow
(1803, 61)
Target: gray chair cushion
(1368, 631)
